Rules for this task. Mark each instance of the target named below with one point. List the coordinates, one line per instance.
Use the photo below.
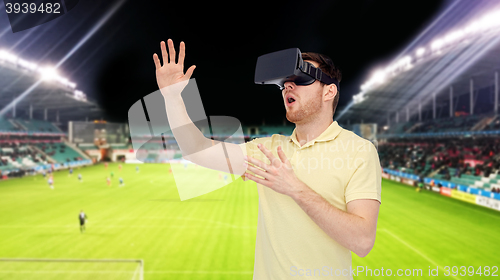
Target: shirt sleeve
(366, 180)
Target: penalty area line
(413, 248)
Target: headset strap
(319, 75)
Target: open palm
(171, 73)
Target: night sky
(115, 66)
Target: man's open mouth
(290, 100)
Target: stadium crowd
(450, 157)
(16, 150)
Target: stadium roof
(466, 52)
(58, 96)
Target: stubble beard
(305, 112)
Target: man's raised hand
(171, 73)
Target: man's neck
(309, 131)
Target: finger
(282, 155)
(269, 155)
(189, 72)
(182, 54)
(157, 61)
(259, 172)
(164, 53)
(171, 50)
(255, 179)
(257, 163)
(266, 152)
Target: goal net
(75, 269)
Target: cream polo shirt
(341, 167)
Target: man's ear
(329, 92)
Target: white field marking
(413, 249)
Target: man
(82, 217)
(51, 181)
(319, 189)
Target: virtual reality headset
(287, 66)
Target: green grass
(421, 229)
(211, 236)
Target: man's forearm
(349, 230)
(188, 136)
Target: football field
(213, 236)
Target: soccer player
(319, 189)
(108, 181)
(119, 167)
(51, 182)
(80, 178)
(112, 174)
(121, 182)
(70, 171)
(82, 217)
(420, 186)
(137, 168)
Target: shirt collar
(329, 134)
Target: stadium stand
(33, 127)
(6, 125)
(20, 125)
(19, 156)
(473, 162)
(462, 123)
(60, 152)
(476, 123)
(38, 125)
(27, 146)
(399, 128)
(494, 124)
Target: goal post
(32, 268)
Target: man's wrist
(300, 191)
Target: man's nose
(289, 85)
